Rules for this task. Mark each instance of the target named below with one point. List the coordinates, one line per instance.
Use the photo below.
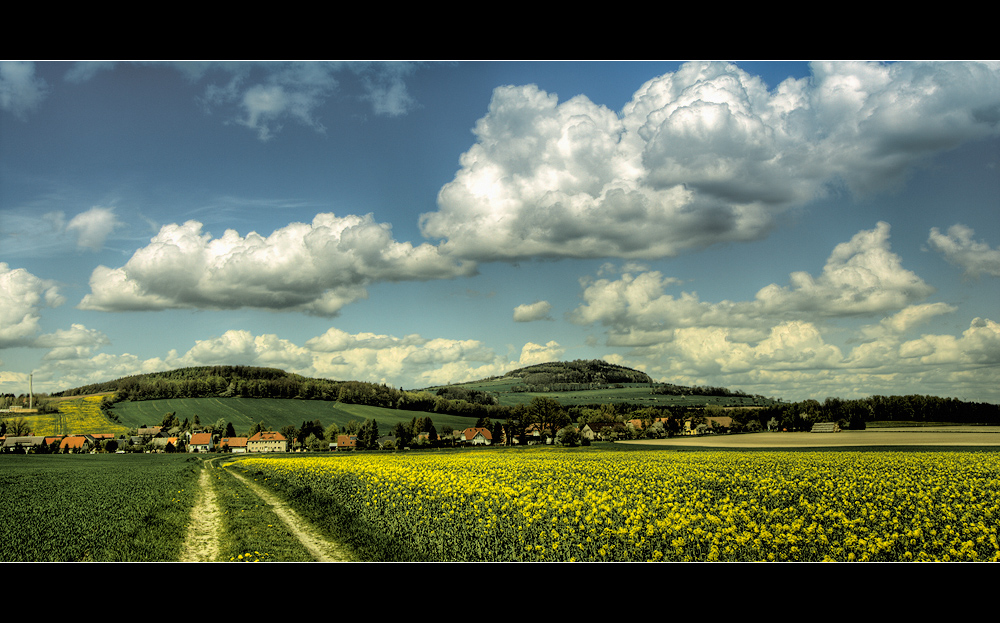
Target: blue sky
(797, 230)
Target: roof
(470, 433)
(234, 442)
(201, 439)
(74, 442)
(30, 440)
(267, 435)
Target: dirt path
(320, 548)
(202, 543)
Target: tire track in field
(321, 549)
(202, 542)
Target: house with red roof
(76, 444)
(476, 436)
(200, 442)
(237, 445)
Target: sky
(790, 229)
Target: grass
(252, 532)
(276, 413)
(103, 507)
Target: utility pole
(31, 392)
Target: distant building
(267, 441)
(347, 442)
(236, 445)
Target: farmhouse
(476, 436)
(164, 444)
(267, 441)
(236, 445)
(347, 442)
(74, 444)
(149, 432)
(11, 444)
(200, 442)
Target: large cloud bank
(705, 155)
(779, 342)
(315, 268)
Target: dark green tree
(368, 435)
(547, 414)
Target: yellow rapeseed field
(669, 506)
(75, 416)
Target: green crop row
(105, 507)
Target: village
(160, 439)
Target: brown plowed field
(936, 436)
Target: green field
(100, 507)
(274, 412)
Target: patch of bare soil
(202, 543)
(943, 436)
(320, 548)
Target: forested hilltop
(578, 372)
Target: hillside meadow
(274, 412)
(75, 416)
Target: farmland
(74, 415)
(102, 507)
(613, 505)
(602, 503)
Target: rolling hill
(594, 382)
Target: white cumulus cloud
(529, 312)
(532, 353)
(959, 248)
(313, 267)
(93, 227)
(861, 277)
(22, 297)
(704, 155)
